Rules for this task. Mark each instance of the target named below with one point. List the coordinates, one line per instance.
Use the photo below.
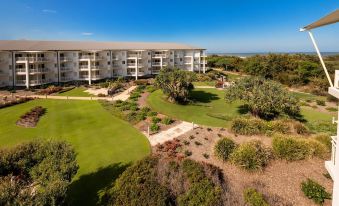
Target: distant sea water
(265, 53)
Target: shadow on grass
(85, 190)
(203, 97)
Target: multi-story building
(32, 63)
(332, 165)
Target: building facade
(33, 63)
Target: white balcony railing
(20, 81)
(20, 70)
(38, 70)
(91, 57)
(65, 59)
(40, 81)
(334, 148)
(160, 55)
(84, 67)
(33, 59)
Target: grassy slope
(211, 83)
(76, 92)
(208, 101)
(198, 113)
(100, 139)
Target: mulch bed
(8, 101)
(31, 118)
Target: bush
(154, 127)
(206, 156)
(324, 139)
(223, 148)
(42, 168)
(320, 102)
(152, 113)
(150, 88)
(156, 120)
(141, 82)
(290, 148)
(145, 109)
(167, 121)
(315, 191)
(332, 109)
(251, 156)
(101, 95)
(254, 198)
(187, 153)
(245, 126)
(300, 128)
(317, 149)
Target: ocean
(265, 53)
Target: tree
(36, 173)
(175, 83)
(264, 98)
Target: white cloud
(87, 33)
(50, 11)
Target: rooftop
(29, 45)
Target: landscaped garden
(104, 144)
(76, 92)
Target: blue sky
(219, 26)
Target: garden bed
(8, 101)
(31, 118)
(279, 181)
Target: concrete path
(122, 96)
(171, 133)
(204, 87)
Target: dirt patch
(31, 118)
(279, 181)
(142, 101)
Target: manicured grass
(209, 108)
(104, 143)
(208, 83)
(307, 96)
(76, 92)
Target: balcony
(65, 79)
(133, 56)
(83, 67)
(93, 77)
(65, 59)
(20, 82)
(159, 56)
(38, 70)
(20, 70)
(37, 82)
(134, 73)
(32, 59)
(96, 67)
(159, 64)
(134, 65)
(331, 164)
(65, 69)
(91, 57)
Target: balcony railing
(133, 55)
(160, 55)
(40, 81)
(65, 79)
(64, 69)
(134, 73)
(32, 59)
(84, 67)
(20, 70)
(96, 67)
(65, 59)
(91, 57)
(334, 148)
(20, 81)
(38, 70)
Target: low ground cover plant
(224, 148)
(251, 156)
(315, 191)
(254, 198)
(50, 90)
(7, 101)
(31, 118)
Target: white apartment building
(31, 63)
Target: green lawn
(76, 92)
(211, 109)
(307, 96)
(104, 143)
(208, 83)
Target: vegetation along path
(105, 145)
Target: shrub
(167, 121)
(156, 120)
(332, 109)
(315, 191)
(141, 82)
(140, 116)
(320, 102)
(187, 153)
(133, 108)
(131, 116)
(186, 142)
(224, 148)
(42, 168)
(300, 128)
(245, 126)
(290, 148)
(324, 139)
(101, 95)
(150, 88)
(254, 198)
(317, 149)
(251, 156)
(145, 109)
(152, 113)
(206, 156)
(197, 143)
(154, 127)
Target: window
(149, 53)
(107, 53)
(109, 63)
(55, 65)
(123, 62)
(171, 60)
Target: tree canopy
(175, 83)
(36, 173)
(264, 98)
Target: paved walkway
(204, 87)
(171, 133)
(122, 96)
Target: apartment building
(31, 63)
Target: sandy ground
(97, 91)
(279, 181)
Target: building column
(199, 63)
(111, 65)
(192, 63)
(13, 69)
(136, 68)
(160, 63)
(89, 72)
(27, 73)
(58, 64)
(204, 65)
